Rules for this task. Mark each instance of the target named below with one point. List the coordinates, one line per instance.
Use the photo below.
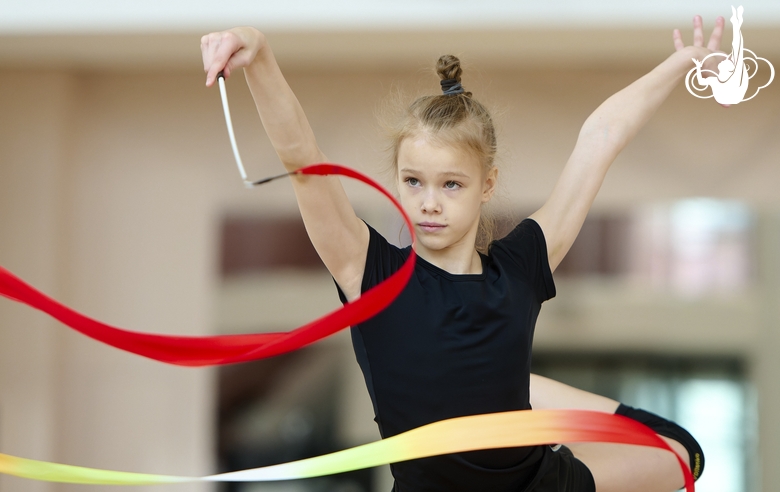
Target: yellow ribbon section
(53, 472)
(496, 430)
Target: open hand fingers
(677, 38)
(713, 44)
(717, 34)
(698, 33)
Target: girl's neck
(455, 260)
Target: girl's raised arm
(604, 134)
(338, 235)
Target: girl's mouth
(431, 226)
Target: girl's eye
(452, 185)
(412, 181)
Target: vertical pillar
(767, 356)
(34, 108)
(138, 254)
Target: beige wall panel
(34, 108)
(140, 255)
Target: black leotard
(455, 345)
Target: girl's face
(442, 188)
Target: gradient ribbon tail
(496, 430)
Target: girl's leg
(615, 467)
(549, 394)
(626, 468)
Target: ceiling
(81, 16)
(364, 34)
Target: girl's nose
(430, 203)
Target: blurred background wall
(118, 191)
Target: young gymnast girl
(457, 341)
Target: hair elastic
(451, 87)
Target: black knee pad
(669, 429)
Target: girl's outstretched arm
(604, 134)
(338, 235)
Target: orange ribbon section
(495, 430)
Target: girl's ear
(490, 184)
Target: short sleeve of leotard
(382, 260)
(523, 252)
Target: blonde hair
(454, 119)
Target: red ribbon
(227, 349)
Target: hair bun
(448, 67)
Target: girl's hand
(698, 50)
(227, 50)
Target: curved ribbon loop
(226, 349)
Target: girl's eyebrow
(446, 173)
